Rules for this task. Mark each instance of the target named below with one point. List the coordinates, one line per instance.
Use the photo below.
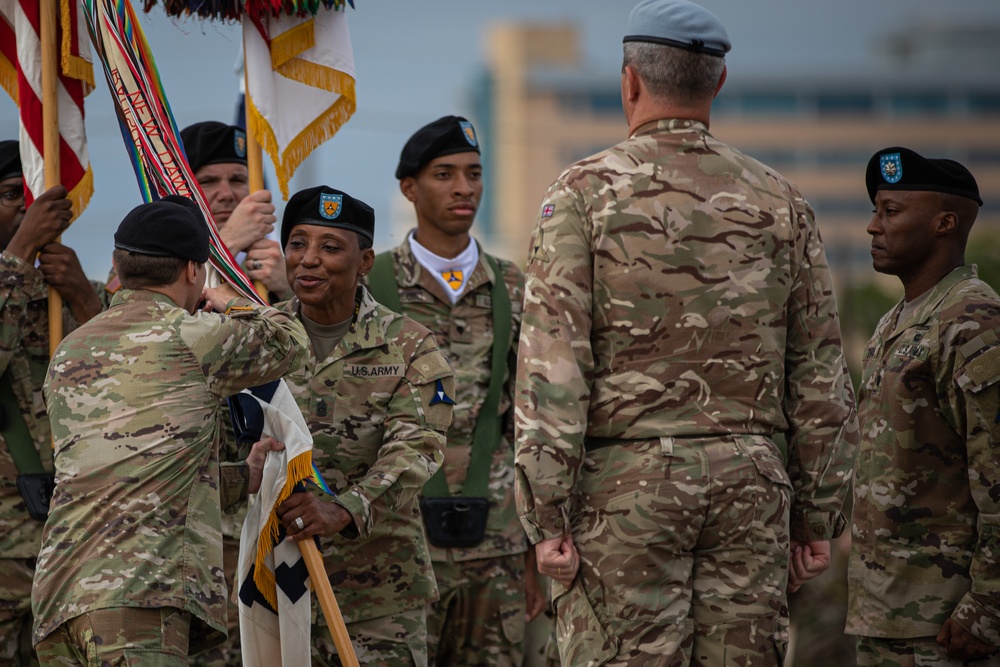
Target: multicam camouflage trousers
(120, 637)
(228, 653)
(397, 640)
(479, 619)
(15, 611)
(918, 652)
(684, 553)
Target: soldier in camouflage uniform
(924, 571)
(218, 157)
(376, 395)
(27, 233)
(131, 561)
(444, 281)
(679, 326)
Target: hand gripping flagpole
(47, 30)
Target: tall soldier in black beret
(217, 154)
(924, 567)
(27, 236)
(441, 277)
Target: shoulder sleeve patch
(981, 371)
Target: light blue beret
(678, 23)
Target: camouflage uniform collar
(674, 125)
(125, 295)
(366, 331)
(931, 302)
(410, 273)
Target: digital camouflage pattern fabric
(677, 295)
(926, 520)
(377, 434)
(480, 617)
(136, 405)
(24, 356)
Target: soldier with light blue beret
(685, 421)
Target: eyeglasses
(12, 198)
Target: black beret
(10, 159)
(898, 168)
(678, 23)
(445, 136)
(327, 207)
(213, 143)
(170, 227)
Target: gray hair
(670, 73)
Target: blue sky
(416, 58)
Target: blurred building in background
(539, 107)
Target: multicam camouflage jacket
(678, 288)
(24, 356)
(464, 331)
(135, 401)
(925, 542)
(378, 429)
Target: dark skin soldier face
(12, 208)
(903, 231)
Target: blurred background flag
(300, 84)
(21, 77)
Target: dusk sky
(416, 60)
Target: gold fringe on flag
(73, 66)
(80, 196)
(8, 78)
(299, 469)
(322, 128)
(291, 43)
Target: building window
(829, 104)
(905, 104)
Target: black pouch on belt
(36, 490)
(455, 522)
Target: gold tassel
(73, 66)
(8, 78)
(80, 195)
(322, 128)
(291, 43)
(299, 468)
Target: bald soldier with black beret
(924, 569)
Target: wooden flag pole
(255, 170)
(48, 36)
(310, 553)
(331, 610)
(255, 166)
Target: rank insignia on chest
(440, 396)
(321, 408)
(454, 278)
(548, 210)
